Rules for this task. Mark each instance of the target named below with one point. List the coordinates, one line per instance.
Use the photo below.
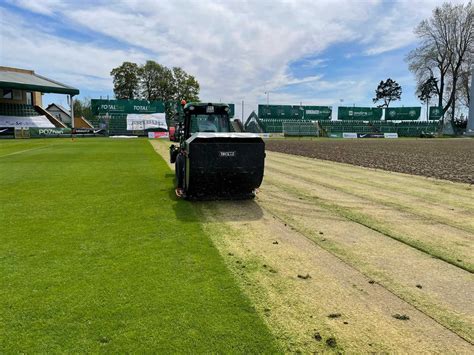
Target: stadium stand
(20, 110)
(402, 128)
(301, 128)
(21, 99)
(294, 121)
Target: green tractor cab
(211, 162)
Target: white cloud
(235, 48)
(76, 64)
(45, 7)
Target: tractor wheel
(179, 171)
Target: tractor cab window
(209, 123)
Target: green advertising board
(49, 132)
(287, 112)
(317, 112)
(103, 106)
(291, 112)
(100, 106)
(402, 113)
(436, 113)
(359, 113)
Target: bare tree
(447, 42)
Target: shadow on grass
(225, 210)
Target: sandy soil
(334, 250)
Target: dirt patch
(449, 159)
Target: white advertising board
(139, 122)
(24, 122)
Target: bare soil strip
(434, 190)
(308, 296)
(440, 290)
(438, 240)
(315, 274)
(402, 199)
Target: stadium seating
(403, 128)
(118, 125)
(300, 128)
(17, 110)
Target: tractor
(211, 162)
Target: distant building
(64, 116)
(60, 113)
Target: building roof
(13, 78)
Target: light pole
(268, 96)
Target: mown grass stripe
(97, 255)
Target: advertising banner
(290, 112)
(370, 135)
(436, 113)
(317, 112)
(359, 113)
(7, 131)
(390, 135)
(100, 106)
(49, 132)
(24, 122)
(349, 135)
(153, 135)
(139, 122)
(402, 113)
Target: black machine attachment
(212, 162)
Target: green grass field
(97, 255)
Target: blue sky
(314, 52)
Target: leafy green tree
(387, 91)
(186, 86)
(156, 82)
(126, 80)
(153, 81)
(428, 89)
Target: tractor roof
(201, 107)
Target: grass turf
(97, 255)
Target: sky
(298, 51)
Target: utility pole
(242, 111)
(427, 109)
(470, 119)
